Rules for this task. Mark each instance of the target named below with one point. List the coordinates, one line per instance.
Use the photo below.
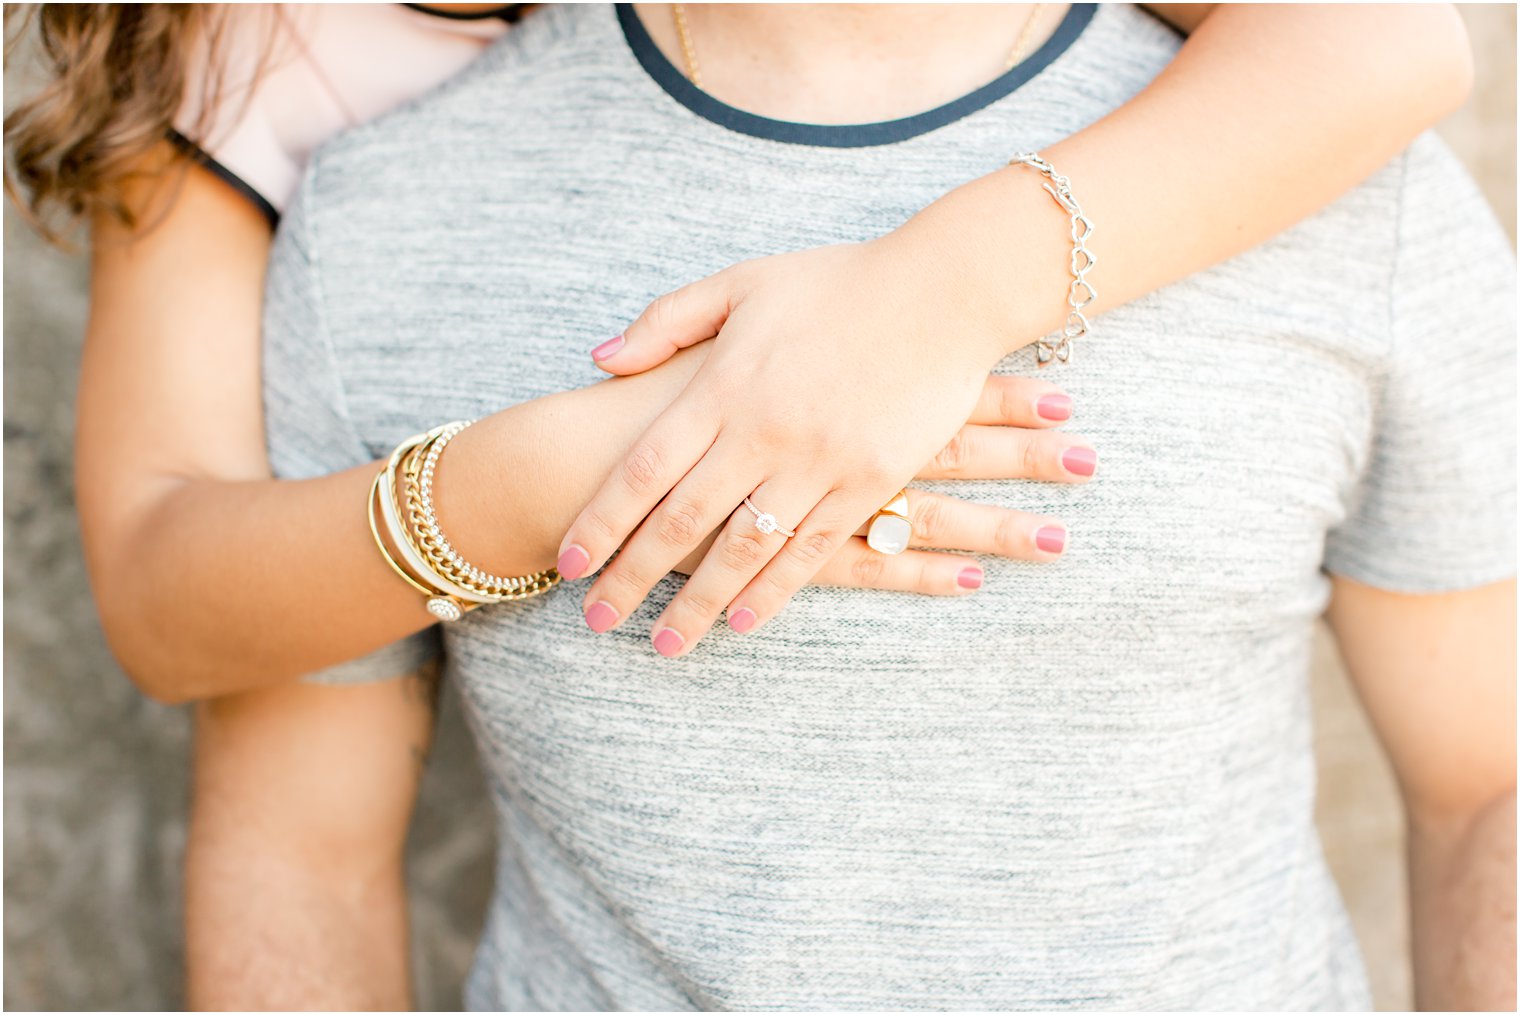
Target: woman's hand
(845, 428)
(831, 387)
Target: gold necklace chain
(688, 51)
(694, 72)
(1023, 40)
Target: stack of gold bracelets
(429, 563)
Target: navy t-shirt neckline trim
(848, 135)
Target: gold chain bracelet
(453, 587)
(418, 469)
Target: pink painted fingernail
(969, 578)
(572, 563)
(607, 349)
(601, 617)
(1054, 407)
(1051, 539)
(668, 642)
(1080, 461)
(742, 619)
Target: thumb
(682, 318)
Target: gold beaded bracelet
(418, 470)
(451, 591)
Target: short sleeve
(1435, 511)
(239, 132)
(307, 426)
(287, 77)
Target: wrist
(488, 497)
(1001, 249)
(515, 481)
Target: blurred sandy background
(95, 776)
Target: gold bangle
(417, 467)
(451, 601)
(439, 604)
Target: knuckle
(600, 527)
(951, 460)
(1032, 457)
(743, 551)
(1011, 402)
(664, 312)
(776, 591)
(1008, 536)
(679, 524)
(868, 568)
(885, 472)
(626, 580)
(698, 602)
(641, 467)
(813, 548)
(929, 518)
(782, 427)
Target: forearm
(265, 933)
(294, 888)
(227, 586)
(1265, 116)
(1462, 892)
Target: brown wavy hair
(115, 78)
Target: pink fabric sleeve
(327, 67)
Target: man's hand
(294, 897)
(1437, 675)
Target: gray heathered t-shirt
(1090, 785)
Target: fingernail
(607, 349)
(1054, 407)
(668, 642)
(969, 578)
(742, 619)
(1051, 539)
(601, 617)
(1080, 461)
(572, 563)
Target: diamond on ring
(765, 521)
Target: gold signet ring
(891, 531)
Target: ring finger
(677, 525)
(949, 523)
(937, 521)
(1001, 452)
(740, 551)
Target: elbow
(142, 650)
(1453, 818)
(162, 688)
(153, 675)
(163, 692)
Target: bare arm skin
(208, 574)
(294, 890)
(1265, 115)
(1280, 138)
(1437, 676)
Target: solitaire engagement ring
(765, 521)
(891, 530)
